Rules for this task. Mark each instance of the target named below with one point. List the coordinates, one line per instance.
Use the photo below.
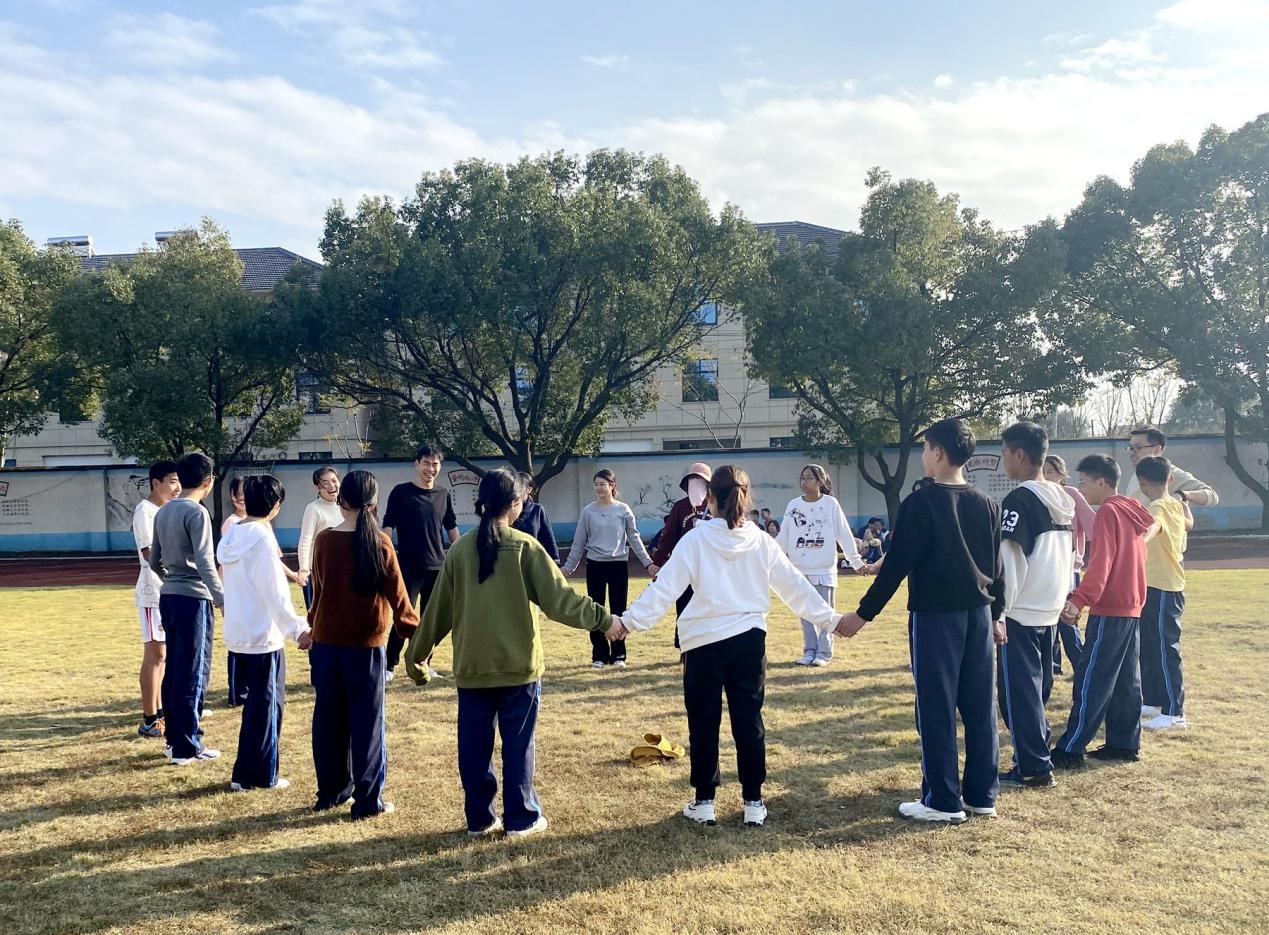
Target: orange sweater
(342, 617)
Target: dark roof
(262, 267)
(805, 234)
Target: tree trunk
(1236, 465)
(217, 508)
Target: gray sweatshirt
(606, 534)
(181, 553)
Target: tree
(188, 359)
(1175, 267)
(512, 310)
(34, 376)
(928, 312)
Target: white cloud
(944, 81)
(374, 49)
(355, 34)
(166, 41)
(1216, 15)
(304, 14)
(1135, 49)
(611, 60)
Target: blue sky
(121, 119)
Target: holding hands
(617, 631)
(849, 624)
(999, 633)
(305, 640)
(1070, 614)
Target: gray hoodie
(181, 553)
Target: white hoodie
(1035, 547)
(732, 573)
(259, 614)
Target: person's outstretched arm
(436, 624)
(659, 596)
(906, 545)
(549, 589)
(845, 539)
(799, 595)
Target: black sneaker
(1063, 760)
(1015, 778)
(1107, 752)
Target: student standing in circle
(606, 534)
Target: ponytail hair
(821, 478)
(360, 491)
(730, 488)
(499, 490)
(605, 474)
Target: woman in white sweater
(732, 566)
(813, 525)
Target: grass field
(98, 834)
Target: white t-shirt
(808, 535)
(148, 583)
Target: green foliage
(188, 359)
(35, 376)
(926, 313)
(514, 309)
(1175, 266)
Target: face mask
(695, 492)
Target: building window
(782, 441)
(699, 444)
(706, 314)
(700, 381)
(315, 456)
(309, 390)
(780, 391)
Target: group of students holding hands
(988, 586)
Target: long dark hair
(821, 478)
(730, 487)
(360, 491)
(499, 490)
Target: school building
(710, 403)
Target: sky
(119, 119)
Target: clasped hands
(1070, 614)
(617, 631)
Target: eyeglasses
(1141, 447)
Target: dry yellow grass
(99, 835)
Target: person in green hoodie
(490, 579)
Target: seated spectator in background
(755, 517)
(872, 539)
(765, 515)
(773, 527)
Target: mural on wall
(463, 487)
(987, 474)
(123, 492)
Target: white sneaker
(167, 752)
(985, 812)
(206, 713)
(918, 811)
(389, 676)
(1149, 710)
(1166, 722)
(494, 827)
(207, 753)
(807, 658)
(433, 674)
(619, 664)
(819, 662)
(597, 665)
(539, 825)
(755, 814)
(282, 783)
(700, 812)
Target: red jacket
(681, 518)
(1114, 582)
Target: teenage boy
(423, 516)
(1035, 530)
(164, 485)
(1149, 442)
(322, 513)
(181, 555)
(1108, 681)
(946, 542)
(1162, 680)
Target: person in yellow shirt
(1162, 681)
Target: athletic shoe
(492, 828)
(206, 713)
(918, 811)
(755, 814)
(982, 811)
(1107, 752)
(1149, 710)
(539, 825)
(1063, 760)
(433, 674)
(807, 658)
(167, 751)
(1015, 778)
(597, 664)
(151, 730)
(207, 753)
(282, 783)
(820, 662)
(389, 676)
(619, 664)
(701, 812)
(1166, 722)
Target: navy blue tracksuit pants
(952, 663)
(514, 710)
(187, 622)
(1107, 687)
(1024, 676)
(1067, 639)
(263, 677)
(1162, 679)
(237, 681)
(350, 750)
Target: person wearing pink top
(1068, 637)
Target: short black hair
(1102, 466)
(160, 470)
(1154, 470)
(235, 485)
(1029, 438)
(193, 469)
(876, 519)
(322, 472)
(954, 437)
(1153, 435)
(429, 450)
(261, 493)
